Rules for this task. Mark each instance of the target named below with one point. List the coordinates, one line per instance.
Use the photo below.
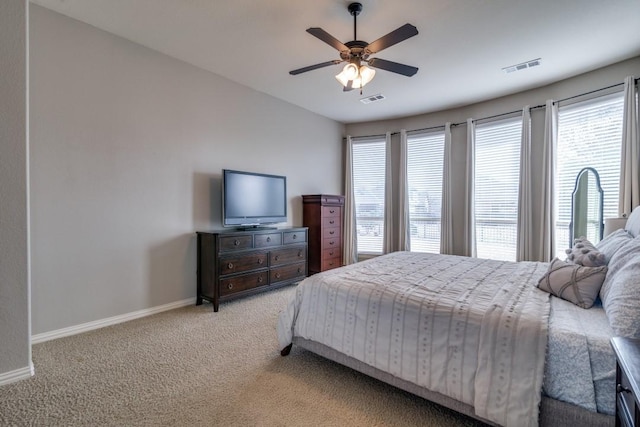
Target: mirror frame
(573, 199)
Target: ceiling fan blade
(314, 67)
(327, 38)
(394, 37)
(394, 67)
(348, 87)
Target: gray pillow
(573, 282)
(584, 253)
(613, 242)
(620, 292)
(633, 223)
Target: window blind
(425, 155)
(368, 186)
(589, 134)
(497, 173)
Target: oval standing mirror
(586, 207)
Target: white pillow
(613, 242)
(573, 282)
(633, 223)
(620, 292)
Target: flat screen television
(253, 199)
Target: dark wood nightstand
(627, 381)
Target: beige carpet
(193, 367)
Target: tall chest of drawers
(323, 215)
(233, 264)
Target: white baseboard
(97, 324)
(17, 375)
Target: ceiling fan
(355, 74)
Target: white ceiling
(460, 49)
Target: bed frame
(552, 412)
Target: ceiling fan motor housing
(355, 9)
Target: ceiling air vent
(522, 66)
(372, 98)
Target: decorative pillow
(573, 282)
(613, 242)
(620, 292)
(633, 223)
(584, 253)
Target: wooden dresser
(322, 214)
(232, 264)
(627, 352)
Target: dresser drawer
(288, 255)
(242, 283)
(331, 211)
(626, 402)
(290, 237)
(266, 240)
(288, 272)
(328, 264)
(333, 232)
(331, 221)
(246, 262)
(329, 253)
(328, 199)
(236, 243)
(331, 242)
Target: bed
(480, 336)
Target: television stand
(232, 264)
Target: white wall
(15, 347)
(587, 82)
(127, 149)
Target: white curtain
(524, 245)
(470, 217)
(547, 207)
(630, 155)
(404, 235)
(446, 213)
(350, 249)
(387, 242)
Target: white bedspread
(472, 329)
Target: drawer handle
(230, 265)
(230, 286)
(331, 263)
(260, 260)
(277, 275)
(236, 242)
(260, 279)
(621, 389)
(299, 270)
(332, 242)
(331, 222)
(331, 253)
(277, 257)
(332, 211)
(299, 254)
(332, 232)
(268, 239)
(294, 237)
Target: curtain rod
(504, 114)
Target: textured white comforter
(472, 329)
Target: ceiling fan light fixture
(349, 72)
(366, 74)
(357, 76)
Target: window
(589, 134)
(497, 174)
(368, 187)
(425, 153)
